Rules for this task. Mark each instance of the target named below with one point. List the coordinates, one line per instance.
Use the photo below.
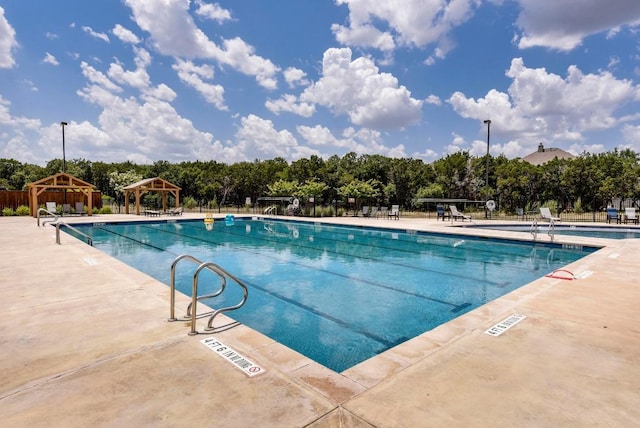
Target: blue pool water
(337, 294)
(608, 232)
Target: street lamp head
(63, 123)
(488, 121)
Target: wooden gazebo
(155, 184)
(63, 182)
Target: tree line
(588, 182)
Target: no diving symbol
(254, 369)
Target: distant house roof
(542, 155)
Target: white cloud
(563, 25)
(174, 33)
(289, 103)
(258, 138)
(295, 77)
(50, 59)
(434, 100)
(357, 89)
(544, 106)
(631, 135)
(101, 36)
(139, 78)
(140, 129)
(359, 141)
(212, 11)
(411, 23)
(7, 42)
(125, 35)
(193, 76)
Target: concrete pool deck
(86, 342)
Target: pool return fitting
(192, 314)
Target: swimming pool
(608, 232)
(337, 294)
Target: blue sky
(179, 80)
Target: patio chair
(630, 215)
(52, 207)
(383, 211)
(374, 212)
(395, 212)
(441, 212)
(175, 211)
(66, 209)
(545, 213)
(455, 214)
(80, 208)
(365, 211)
(612, 214)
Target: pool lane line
(456, 307)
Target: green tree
(283, 188)
(119, 180)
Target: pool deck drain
(88, 344)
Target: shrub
(577, 207)
(22, 210)
(189, 203)
(105, 210)
(8, 212)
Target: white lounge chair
(545, 213)
(51, 207)
(455, 214)
(630, 215)
(175, 211)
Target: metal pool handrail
(87, 237)
(192, 308)
(44, 210)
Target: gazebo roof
(61, 180)
(155, 183)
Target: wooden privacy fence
(14, 198)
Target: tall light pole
(486, 179)
(64, 160)
(488, 122)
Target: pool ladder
(535, 229)
(192, 315)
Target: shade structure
(63, 182)
(155, 184)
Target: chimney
(540, 148)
